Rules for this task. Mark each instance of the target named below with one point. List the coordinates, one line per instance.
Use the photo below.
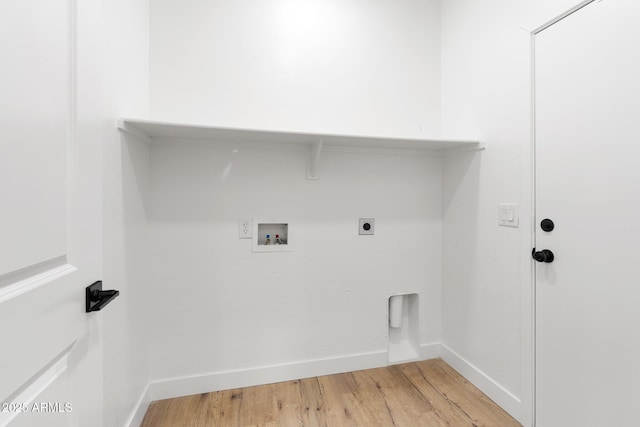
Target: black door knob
(544, 255)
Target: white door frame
(528, 278)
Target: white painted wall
(487, 307)
(353, 67)
(356, 67)
(485, 92)
(219, 307)
(414, 68)
(126, 170)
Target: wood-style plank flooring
(428, 393)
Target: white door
(50, 213)
(587, 124)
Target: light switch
(508, 215)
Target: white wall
(125, 163)
(354, 67)
(486, 83)
(414, 68)
(219, 307)
(485, 92)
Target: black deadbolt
(366, 226)
(547, 224)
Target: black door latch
(96, 298)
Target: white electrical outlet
(245, 229)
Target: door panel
(587, 107)
(50, 364)
(35, 106)
(44, 395)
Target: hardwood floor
(428, 393)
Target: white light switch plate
(508, 215)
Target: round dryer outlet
(366, 226)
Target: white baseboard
(430, 351)
(136, 417)
(225, 380)
(184, 386)
(488, 386)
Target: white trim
(527, 288)
(72, 166)
(154, 129)
(30, 283)
(381, 151)
(284, 146)
(140, 409)
(225, 380)
(463, 149)
(561, 16)
(430, 351)
(37, 386)
(527, 275)
(8, 279)
(537, 21)
(500, 395)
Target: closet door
(587, 143)
(50, 214)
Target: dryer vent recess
(366, 226)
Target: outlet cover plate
(366, 226)
(245, 229)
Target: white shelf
(153, 130)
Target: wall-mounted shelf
(152, 130)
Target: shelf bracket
(129, 129)
(313, 171)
